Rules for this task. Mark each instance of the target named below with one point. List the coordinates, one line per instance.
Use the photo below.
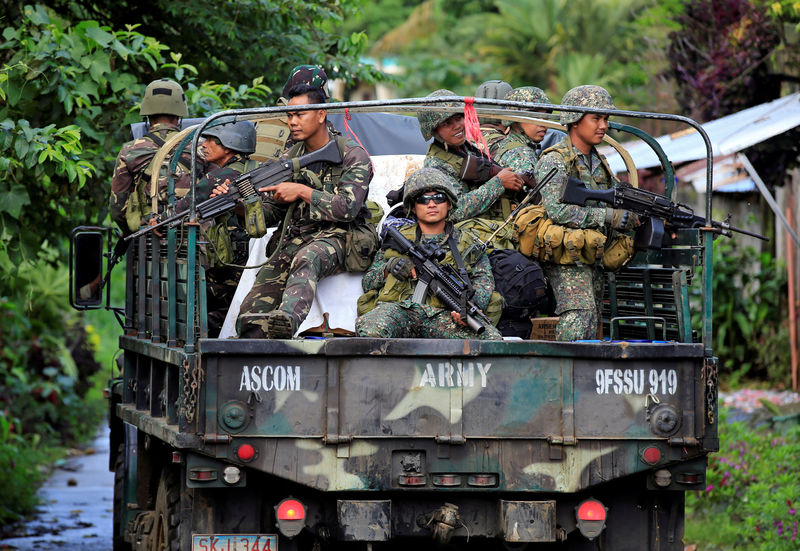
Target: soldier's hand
(457, 318)
(511, 180)
(288, 192)
(153, 221)
(401, 268)
(220, 189)
(621, 219)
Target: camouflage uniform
(394, 314)
(129, 172)
(578, 289)
(314, 243)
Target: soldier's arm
(560, 213)
(344, 204)
(121, 187)
(375, 276)
(519, 159)
(482, 282)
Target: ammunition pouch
(220, 251)
(618, 253)
(255, 223)
(361, 243)
(526, 228)
(480, 229)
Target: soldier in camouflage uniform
(519, 150)
(491, 128)
(428, 197)
(227, 148)
(447, 151)
(164, 104)
(578, 289)
(326, 201)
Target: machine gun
(659, 210)
(443, 281)
(246, 185)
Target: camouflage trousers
(578, 292)
(289, 281)
(221, 285)
(409, 320)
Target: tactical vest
(541, 239)
(138, 206)
(395, 290)
(512, 141)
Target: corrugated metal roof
(729, 134)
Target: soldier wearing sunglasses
(386, 310)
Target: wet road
(76, 506)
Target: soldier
(164, 104)
(326, 201)
(578, 288)
(273, 134)
(519, 149)
(226, 146)
(429, 197)
(493, 131)
(447, 152)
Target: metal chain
(192, 379)
(710, 376)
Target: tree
(232, 40)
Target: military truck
(337, 442)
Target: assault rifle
(481, 169)
(443, 281)
(659, 210)
(246, 185)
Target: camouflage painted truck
(340, 442)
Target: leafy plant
(749, 323)
(751, 497)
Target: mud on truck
(327, 441)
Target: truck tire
(119, 542)
(166, 527)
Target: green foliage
(19, 472)
(749, 323)
(751, 497)
(227, 40)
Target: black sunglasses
(437, 198)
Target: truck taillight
(651, 455)
(411, 480)
(291, 516)
(591, 517)
(482, 480)
(446, 480)
(291, 509)
(202, 474)
(245, 452)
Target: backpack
(521, 282)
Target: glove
(400, 268)
(621, 219)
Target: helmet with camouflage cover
(163, 97)
(429, 120)
(236, 136)
(493, 89)
(427, 179)
(588, 95)
(313, 75)
(529, 94)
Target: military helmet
(588, 95)
(163, 97)
(429, 120)
(313, 75)
(427, 179)
(493, 89)
(236, 136)
(529, 94)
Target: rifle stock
(481, 170)
(646, 203)
(248, 183)
(445, 285)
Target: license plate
(234, 542)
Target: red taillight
(246, 452)
(446, 480)
(651, 455)
(411, 480)
(591, 510)
(291, 509)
